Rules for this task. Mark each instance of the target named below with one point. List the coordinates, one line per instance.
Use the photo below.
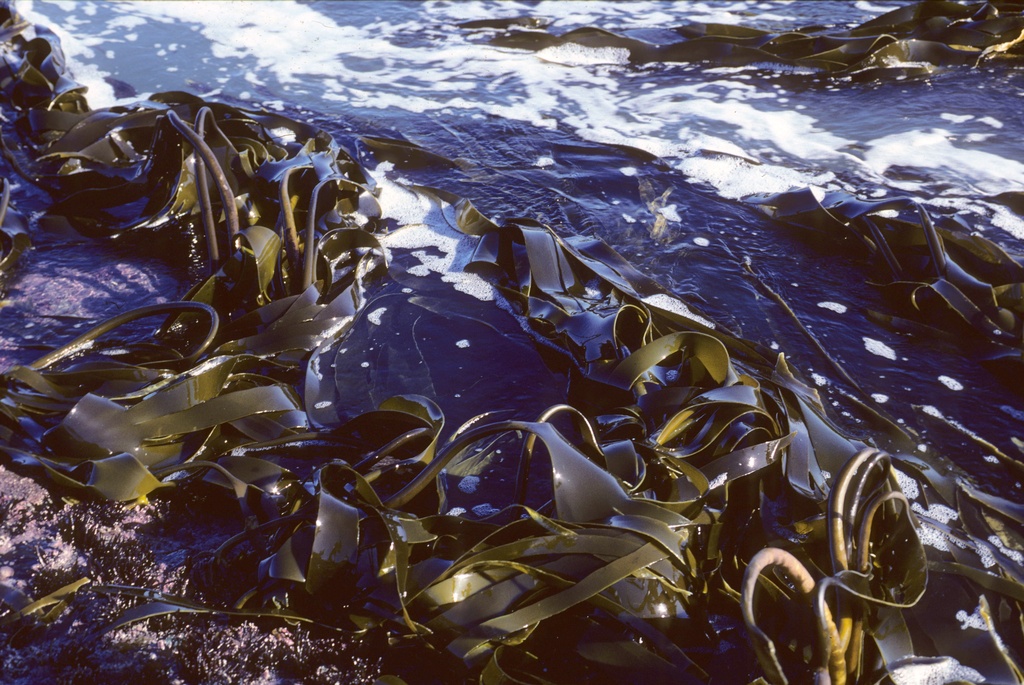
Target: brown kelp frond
(937, 272)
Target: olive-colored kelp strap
(943, 274)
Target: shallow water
(655, 159)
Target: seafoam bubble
(1017, 556)
(951, 383)
(907, 484)
(462, 344)
(988, 559)
(544, 162)
(936, 512)
(932, 149)
(670, 213)
(454, 251)
(833, 306)
(701, 241)
(736, 178)
(375, 316)
(676, 306)
(469, 484)
(879, 397)
(485, 509)
(879, 348)
(933, 537)
(942, 671)
(956, 118)
(628, 171)
(975, 620)
(574, 55)
(819, 380)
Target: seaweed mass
(357, 355)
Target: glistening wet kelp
(915, 39)
(938, 273)
(678, 503)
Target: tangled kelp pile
(348, 374)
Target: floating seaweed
(913, 40)
(940, 273)
(679, 504)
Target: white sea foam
(571, 54)
(942, 671)
(936, 512)
(701, 241)
(469, 484)
(975, 620)
(907, 484)
(933, 149)
(1013, 554)
(879, 348)
(879, 397)
(670, 213)
(794, 133)
(485, 509)
(951, 383)
(78, 49)
(833, 306)
(872, 9)
(676, 306)
(428, 234)
(956, 118)
(933, 537)
(718, 481)
(289, 45)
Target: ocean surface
(658, 159)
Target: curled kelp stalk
(912, 40)
(863, 494)
(660, 467)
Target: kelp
(912, 40)
(14, 237)
(937, 272)
(679, 506)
